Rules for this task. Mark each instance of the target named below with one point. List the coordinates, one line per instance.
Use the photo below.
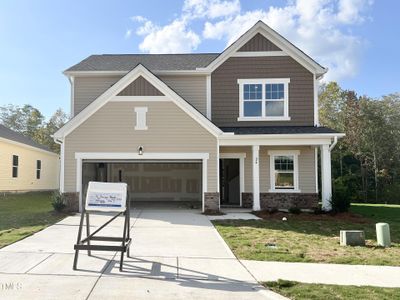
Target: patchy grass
(24, 214)
(314, 238)
(307, 291)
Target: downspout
(61, 173)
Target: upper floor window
(38, 168)
(15, 166)
(264, 99)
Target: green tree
(30, 122)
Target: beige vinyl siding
(88, 88)
(306, 167)
(111, 129)
(27, 157)
(192, 88)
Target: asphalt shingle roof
(9, 134)
(126, 62)
(278, 130)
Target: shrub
(57, 201)
(294, 210)
(340, 200)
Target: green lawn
(307, 291)
(314, 238)
(24, 214)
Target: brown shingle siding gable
(140, 87)
(259, 43)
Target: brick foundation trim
(211, 203)
(247, 200)
(71, 200)
(289, 200)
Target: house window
(264, 99)
(141, 118)
(284, 171)
(38, 168)
(15, 166)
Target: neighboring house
(237, 128)
(26, 165)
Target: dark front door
(229, 181)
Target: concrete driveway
(176, 254)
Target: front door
(229, 171)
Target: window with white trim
(15, 163)
(284, 171)
(141, 118)
(38, 168)
(264, 99)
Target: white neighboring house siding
(111, 129)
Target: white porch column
(256, 177)
(326, 177)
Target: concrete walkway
(176, 254)
(381, 276)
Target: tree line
(365, 163)
(29, 121)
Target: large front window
(284, 171)
(263, 99)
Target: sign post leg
(79, 239)
(88, 232)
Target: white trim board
(140, 99)
(104, 98)
(258, 53)
(145, 155)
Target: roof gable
(122, 84)
(273, 37)
(140, 87)
(259, 43)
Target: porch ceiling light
(140, 150)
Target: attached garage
(150, 180)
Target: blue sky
(356, 39)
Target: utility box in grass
(383, 234)
(352, 238)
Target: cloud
(210, 8)
(321, 28)
(175, 37)
(128, 33)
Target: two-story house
(237, 128)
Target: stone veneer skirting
(282, 200)
(211, 203)
(71, 202)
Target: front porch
(275, 174)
